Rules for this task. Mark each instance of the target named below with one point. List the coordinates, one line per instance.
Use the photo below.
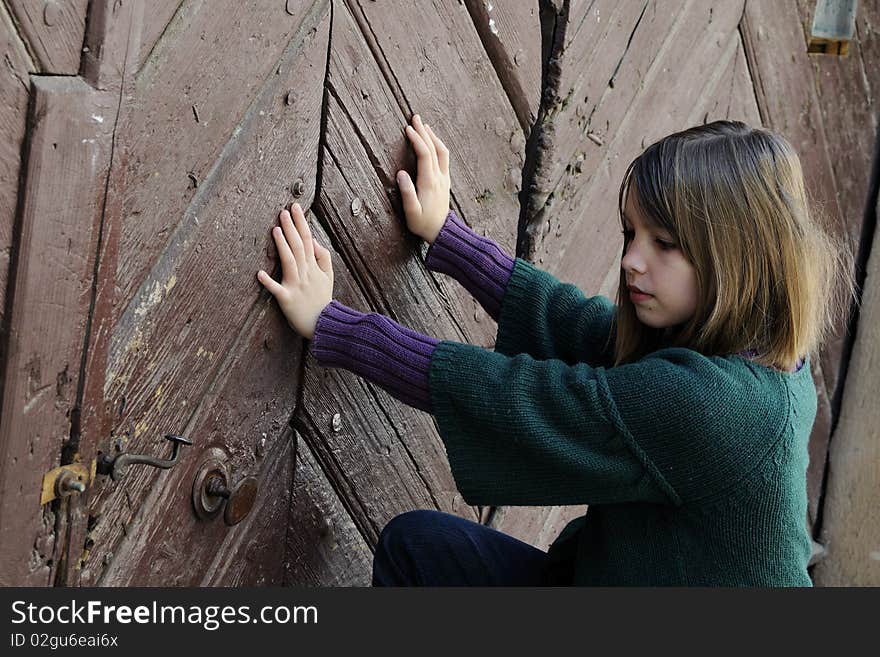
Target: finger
(293, 239)
(305, 233)
(289, 269)
(411, 205)
(423, 153)
(269, 283)
(322, 257)
(442, 151)
(423, 133)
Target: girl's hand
(307, 273)
(427, 204)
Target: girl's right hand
(427, 203)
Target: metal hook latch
(116, 465)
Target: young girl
(681, 415)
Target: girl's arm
(478, 263)
(536, 314)
(395, 358)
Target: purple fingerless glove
(477, 262)
(377, 348)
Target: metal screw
(356, 206)
(288, 99)
(298, 188)
(337, 423)
(68, 483)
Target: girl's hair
(769, 276)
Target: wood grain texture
(535, 525)
(53, 31)
(851, 526)
(192, 94)
(511, 34)
(324, 546)
(244, 416)
(14, 94)
(68, 158)
(438, 62)
(188, 324)
(157, 19)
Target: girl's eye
(664, 245)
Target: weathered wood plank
(157, 19)
(486, 155)
(845, 91)
(14, 90)
(851, 524)
(54, 32)
(183, 329)
(68, 158)
(192, 93)
(511, 34)
(324, 547)
(244, 416)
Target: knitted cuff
(477, 262)
(377, 348)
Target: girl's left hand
(307, 273)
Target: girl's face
(654, 263)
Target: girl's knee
(407, 524)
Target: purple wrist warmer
(477, 262)
(376, 348)
(397, 358)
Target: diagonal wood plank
(191, 95)
(53, 31)
(188, 324)
(324, 547)
(511, 34)
(486, 153)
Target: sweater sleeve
(546, 318)
(673, 428)
(478, 263)
(377, 348)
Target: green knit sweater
(694, 467)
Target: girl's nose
(632, 260)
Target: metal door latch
(116, 465)
(75, 478)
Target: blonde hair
(769, 276)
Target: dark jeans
(432, 548)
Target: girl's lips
(637, 296)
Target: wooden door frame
(60, 298)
